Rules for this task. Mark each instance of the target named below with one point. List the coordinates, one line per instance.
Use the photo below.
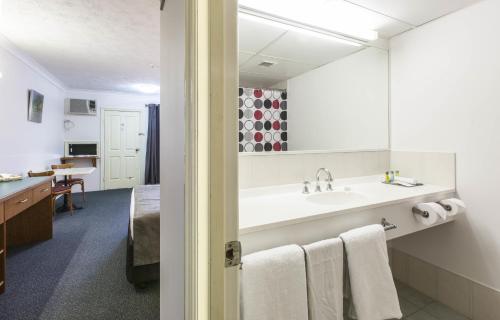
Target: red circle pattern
(258, 136)
(258, 114)
(276, 125)
(277, 146)
(257, 93)
(276, 104)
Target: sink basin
(335, 197)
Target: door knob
(137, 150)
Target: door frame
(142, 141)
(211, 190)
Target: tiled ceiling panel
(309, 50)
(415, 12)
(280, 69)
(243, 57)
(255, 36)
(253, 80)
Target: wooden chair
(71, 181)
(57, 190)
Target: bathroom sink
(335, 197)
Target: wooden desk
(25, 216)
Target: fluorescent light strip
(332, 16)
(303, 30)
(146, 88)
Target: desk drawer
(18, 204)
(41, 192)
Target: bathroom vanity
(278, 215)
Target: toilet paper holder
(446, 207)
(416, 210)
(425, 214)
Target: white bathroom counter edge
(441, 192)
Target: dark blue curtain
(153, 145)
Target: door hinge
(233, 254)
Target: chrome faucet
(329, 180)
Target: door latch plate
(233, 254)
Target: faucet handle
(318, 187)
(329, 186)
(307, 184)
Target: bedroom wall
(89, 127)
(27, 145)
(42, 144)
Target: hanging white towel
(372, 286)
(325, 268)
(273, 285)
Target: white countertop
(276, 206)
(74, 171)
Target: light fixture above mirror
(337, 17)
(293, 26)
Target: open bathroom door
(212, 161)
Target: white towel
(410, 181)
(325, 268)
(372, 286)
(273, 285)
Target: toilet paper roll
(457, 206)
(436, 212)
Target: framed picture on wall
(35, 106)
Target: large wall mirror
(302, 90)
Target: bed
(143, 246)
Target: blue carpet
(80, 273)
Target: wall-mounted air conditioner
(81, 107)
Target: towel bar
(416, 210)
(387, 225)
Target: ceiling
(115, 44)
(89, 44)
(294, 53)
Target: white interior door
(121, 149)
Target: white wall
(342, 105)
(172, 160)
(33, 146)
(27, 145)
(445, 84)
(88, 128)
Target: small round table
(71, 172)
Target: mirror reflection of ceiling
(291, 53)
